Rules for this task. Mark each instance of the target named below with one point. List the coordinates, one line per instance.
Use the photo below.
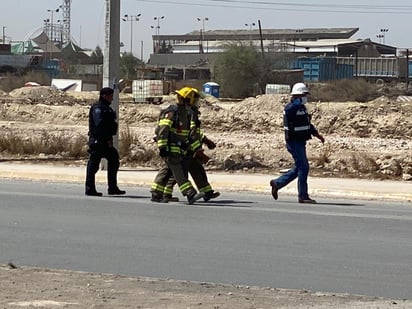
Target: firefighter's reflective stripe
(195, 145)
(157, 187)
(180, 132)
(196, 135)
(175, 149)
(165, 122)
(206, 188)
(186, 186)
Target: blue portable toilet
(211, 88)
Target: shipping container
(147, 90)
(409, 69)
(344, 71)
(323, 69)
(373, 67)
(277, 89)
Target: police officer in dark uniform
(298, 129)
(102, 127)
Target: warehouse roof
(268, 34)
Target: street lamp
(157, 28)
(131, 18)
(250, 25)
(383, 31)
(294, 38)
(51, 21)
(202, 31)
(380, 37)
(51, 28)
(61, 31)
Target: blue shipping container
(323, 69)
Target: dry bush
(66, 146)
(344, 90)
(363, 163)
(48, 144)
(132, 151)
(126, 140)
(324, 157)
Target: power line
(278, 6)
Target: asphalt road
(343, 246)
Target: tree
(97, 55)
(237, 68)
(128, 65)
(242, 70)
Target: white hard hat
(299, 88)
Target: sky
(20, 19)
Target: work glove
(163, 152)
(210, 144)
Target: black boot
(169, 198)
(193, 197)
(157, 197)
(92, 192)
(116, 191)
(210, 195)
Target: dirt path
(25, 287)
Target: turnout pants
(198, 173)
(175, 166)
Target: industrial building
(191, 55)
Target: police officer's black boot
(91, 191)
(90, 179)
(112, 168)
(115, 191)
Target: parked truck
(147, 91)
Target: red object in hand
(201, 156)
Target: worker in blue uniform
(298, 130)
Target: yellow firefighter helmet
(190, 94)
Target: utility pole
(407, 69)
(111, 57)
(261, 39)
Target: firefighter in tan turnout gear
(172, 135)
(195, 158)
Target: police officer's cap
(106, 91)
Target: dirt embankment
(363, 140)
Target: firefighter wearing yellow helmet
(188, 95)
(195, 158)
(172, 137)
